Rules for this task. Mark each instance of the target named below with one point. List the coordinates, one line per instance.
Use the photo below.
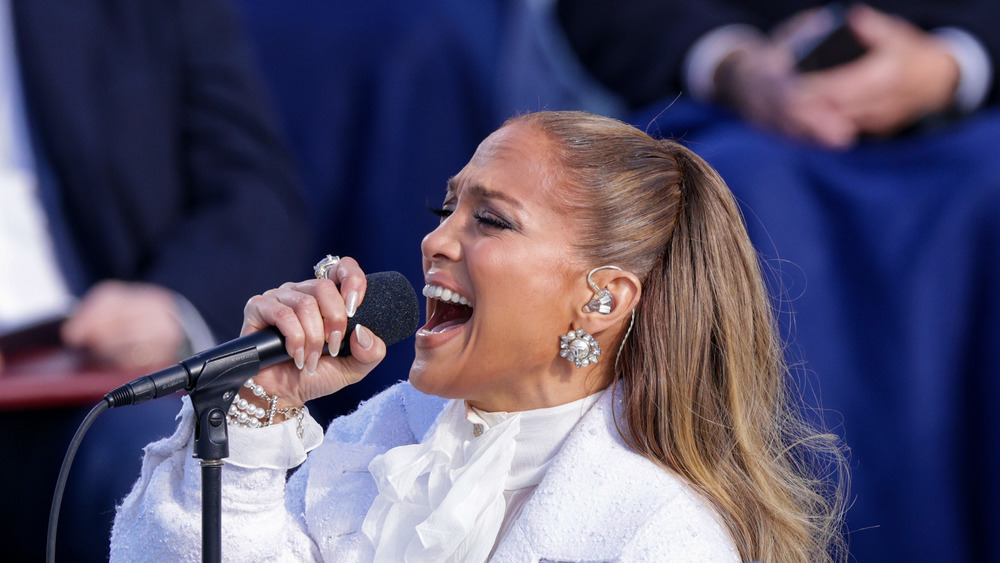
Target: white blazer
(599, 500)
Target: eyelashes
(440, 212)
(492, 221)
(488, 220)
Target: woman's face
(505, 248)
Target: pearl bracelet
(248, 415)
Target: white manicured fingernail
(334, 340)
(299, 358)
(312, 363)
(352, 303)
(365, 337)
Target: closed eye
(441, 212)
(491, 221)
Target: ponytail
(705, 385)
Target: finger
(824, 124)
(367, 350)
(334, 311)
(82, 326)
(798, 24)
(815, 119)
(873, 27)
(135, 353)
(306, 308)
(353, 284)
(265, 310)
(74, 331)
(831, 132)
(843, 85)
(853, 90)
(89, 326)
(332, 307)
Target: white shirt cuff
(274, 447)
(974, 67)
(708, 52)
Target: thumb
(367, 350)
(872, 27)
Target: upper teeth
(438, 292)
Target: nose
(442, 243)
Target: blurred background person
(867, 174)
(146, 195)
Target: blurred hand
(128, 325)
(309, 314)
(906, 75)
(760, 83)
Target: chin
(430, 381)
(420, 377)
(416, 376)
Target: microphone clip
(218, 382)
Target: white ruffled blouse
(453, 497)
(540, 495)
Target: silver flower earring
(579, 347)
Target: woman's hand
(310, 314)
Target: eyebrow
(483, 192)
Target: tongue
(449, 324)
(447, 316)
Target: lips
(446, 309)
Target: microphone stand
(212, 379)
(217, 384)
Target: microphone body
(390, 310)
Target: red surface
(55, 378)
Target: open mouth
(446, 309)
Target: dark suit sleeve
(981, 18)
(637, 47)
(244, 230)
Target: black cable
(74, 444)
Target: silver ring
(322, 268)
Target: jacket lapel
(592, 499)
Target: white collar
(443, 499)
(542, 434)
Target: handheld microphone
(390, 310)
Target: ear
(625, 288)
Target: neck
(549, 391)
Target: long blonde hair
(706, 389)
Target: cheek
(535, 274)
(521, 319)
